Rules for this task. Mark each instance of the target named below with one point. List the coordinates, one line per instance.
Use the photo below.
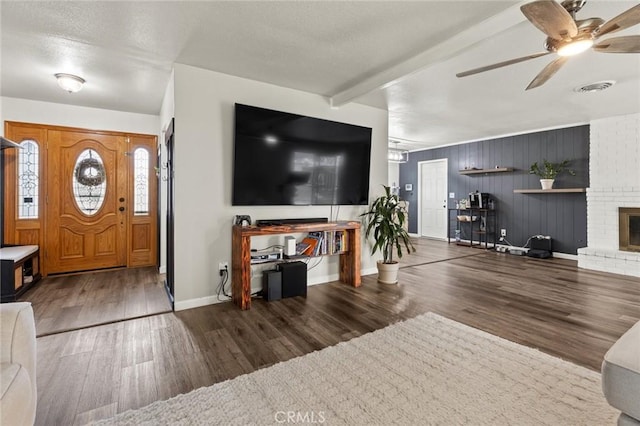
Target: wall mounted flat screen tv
(289, 159)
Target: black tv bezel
(364, 199)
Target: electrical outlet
(503, 232)
(222, 266)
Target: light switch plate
(452, 195)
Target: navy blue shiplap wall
(563, 216)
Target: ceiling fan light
(575, 47)
(69, 82)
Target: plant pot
(388, 272)
(546, 183)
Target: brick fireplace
(614, 187)
(629, 227)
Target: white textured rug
(427, 370)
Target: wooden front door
(90, 200)
(87, 198)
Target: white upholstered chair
(621, 376)
(18, 363)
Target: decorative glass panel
(141, 181)
(28, 162)
(89, 182)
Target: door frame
(31, 231)
(169, 282)
(446, 212)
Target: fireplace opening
(629, 223)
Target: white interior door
(433, 199)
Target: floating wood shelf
(481, 171)
(545, 191)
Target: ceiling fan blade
(547, 72)
(500, 64)
(550, 18)
(626, 44)
(626, 19)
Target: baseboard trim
(162, 269)
(565, 256)
(323, 280)
(212, 300)
(369, 271)
(197, 303)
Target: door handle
(121, 209)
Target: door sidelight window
(141, 181)
(28, 183)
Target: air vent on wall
(595, 87)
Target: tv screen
(289, 159)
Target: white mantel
(614, 169)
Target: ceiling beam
(432, 56)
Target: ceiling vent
(595, 87)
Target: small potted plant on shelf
(385, 222)
(549, 171)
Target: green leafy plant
(384, 220)
(550, 170)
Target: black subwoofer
(294, 279)
(272, 285)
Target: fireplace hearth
(629, 226)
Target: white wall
(204, 102)
(28, 111)
(167, 111)
(394, 174)
(614, 173)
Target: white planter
(388, 272)
(546, 183)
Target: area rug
(426, 370)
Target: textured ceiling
(401, 56)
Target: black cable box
(271, 222)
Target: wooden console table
(241, 254)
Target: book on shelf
(301, 247)
(326, 243)
(311, 243)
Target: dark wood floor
(547, 304)
(62, 303)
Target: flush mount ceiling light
(69, 82)
(396, 155)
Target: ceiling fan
(567, 36)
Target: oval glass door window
(89, 182)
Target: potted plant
(549, 171)
(384, 221)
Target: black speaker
(541, 243)
(294, 279)
(540, 247)
(272, 285)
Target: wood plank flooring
(548, 304)
(69, 302)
